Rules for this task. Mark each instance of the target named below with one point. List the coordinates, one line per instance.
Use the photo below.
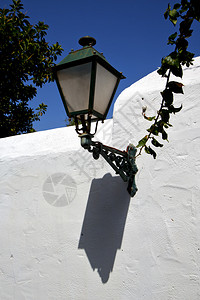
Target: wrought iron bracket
(123, 162)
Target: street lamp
(87, 84)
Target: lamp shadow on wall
(104, 223)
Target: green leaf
(164, 135)
(171, 60)
(152, 152)
(25, 58)
(185, 27)
(172, 38)
(174, 110)
(156, 143)
(149, 118)
(142, 142)
(165, 115)
(177, 109)
(162, 70)
(181, 44)
(153, 129)
(149, 150)
(166, 14)
(186, 58)
(175, 87)
(168, 97)
(173, 15)
(160, 125)
(174, 21)
(177, 71)
(177, 6)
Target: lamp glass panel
(105, 84)
(75, 85)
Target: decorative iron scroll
(123, 162)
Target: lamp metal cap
(87, 41)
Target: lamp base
(86, 140)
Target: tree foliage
(26, 60)
(186, 12)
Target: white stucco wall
(69, 229)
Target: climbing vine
(185, 12)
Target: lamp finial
(87, 41)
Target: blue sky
(132, 34)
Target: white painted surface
(84, 238)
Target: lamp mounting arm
(123, 162)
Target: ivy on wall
(184, 14)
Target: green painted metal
(87, 41)
(85, 52)
(123, 162)
(131, 152)
(92, 85)
(85, 55)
